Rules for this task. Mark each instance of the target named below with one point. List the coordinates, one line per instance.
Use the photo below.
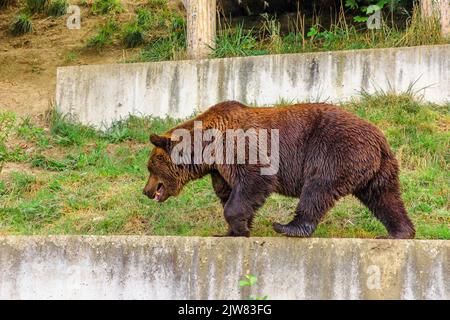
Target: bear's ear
(161, 142)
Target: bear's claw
(292, 230)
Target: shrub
(422, 30)
(143, 18)
(58, 8)
(106, 6)
(37, 6)
(238, 42)
(157, 4)
(166, 48)
(132, 35)
(21, 25)
(104, 36)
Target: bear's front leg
(241, 207)
(221, 187)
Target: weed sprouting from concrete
(250, 281)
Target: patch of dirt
(8, 167)
(137, 225)
(28, 63)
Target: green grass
(132, 35)
(57, 8)
(240, 42)
(237, 42)
(106, 7)
(267, 37)
(171, 47)
(37, 6)
(143, 18)
(105, 35)
(21, 25)
(80, 181)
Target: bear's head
(166, 178)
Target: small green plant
(157, 4)
(69, 133)
(104, 36)
(132, 35)
(70, 57)
(21, 25)
(249, 281)
(143, 18)
(21, 181)
(371, 8)
(166, 48)
(106, 6)
(57, 8)
(7, 122)
(31, 133)
(43, 162)
(422, 30)
(236, 42)
(178, 24)
(272, 28)
(37, 6)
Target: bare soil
(28, 63)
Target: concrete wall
(72, 267)
(100, 94)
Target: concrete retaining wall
(100, 94)
(72, 267)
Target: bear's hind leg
(387, 206)
(316, 199)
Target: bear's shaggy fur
(325, 153)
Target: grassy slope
(69, 179)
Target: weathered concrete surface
(73, 267)
(101, 94)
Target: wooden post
(201, 27)
(442, 8)
(426, 7)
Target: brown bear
(324, 152)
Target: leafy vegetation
(143, 18)
(171, 47)
(72, 179)
(132, 35)
(57, 8)
(237, 42)
(37, 6)
(21, 25)
(250, 281)
(105, 35)
(106, 7)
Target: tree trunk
(201, 27)
(440, 7)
